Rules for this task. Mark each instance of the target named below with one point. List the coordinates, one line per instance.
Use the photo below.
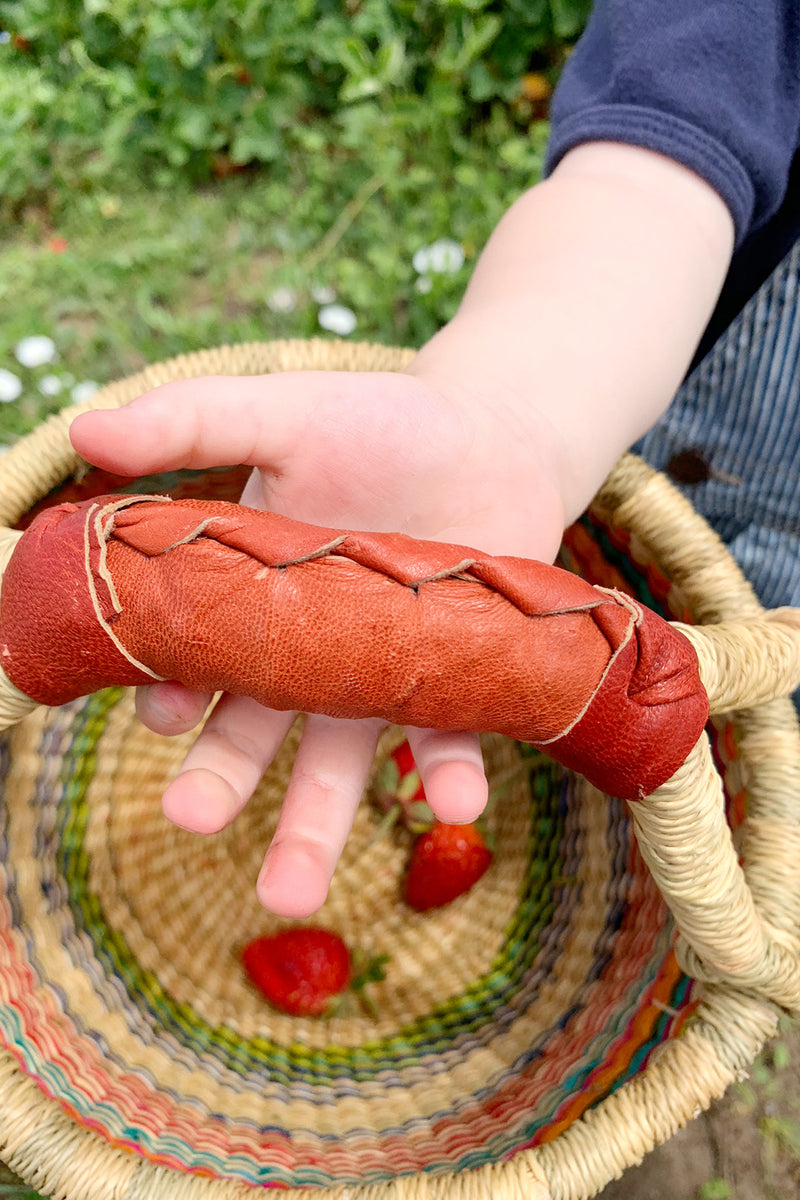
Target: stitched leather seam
(635, 619)
(336, 549)
(190, 537)
(103, 533)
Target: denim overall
(730, 440)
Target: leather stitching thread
(102, 532)
(636, 616)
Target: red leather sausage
(120, 590)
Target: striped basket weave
(614, 971)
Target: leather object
(124, 590)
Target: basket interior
(502, 1018)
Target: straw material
(533, 1039)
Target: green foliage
(781, 1056)
(166, 165)
(12, 1187)
(138, 276)
(715, 1189)
(92, 91)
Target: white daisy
(336, 318)
(84, 391)
(445, 257)
(50, 385)
(422, 260)
(35, 351)
(322, 294)
(10, 386)
(282, 300)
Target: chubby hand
(362, 451)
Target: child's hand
(370, 451)
(575, 331)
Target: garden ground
(746, 1147)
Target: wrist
(587, 304)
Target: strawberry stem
(367, 970)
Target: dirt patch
(746, 1147)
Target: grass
(126, 279)
(770, 1100)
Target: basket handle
(125, 590)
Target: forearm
(588, 302)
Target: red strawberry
(445, 862)
(405, 762)
(302, 970)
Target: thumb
(214, 421)
(377, 450)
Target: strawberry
(445, 862)
(405, 762)
(304, 970)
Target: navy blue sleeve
(713, 84)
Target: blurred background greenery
(181, 173)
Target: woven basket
(614, 971)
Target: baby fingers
(330, 774)
(223, 767)
(452, 774)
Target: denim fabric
(740, 410)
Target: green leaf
(359, 89)
(409, 785)
(483, 33)
(256, 141)
(482, 83)
(468, 5)
(194, 127)
(390, 776)
(569, 17)
(781, 1058)
(715, 1189)
(783, 1132)
(419, 817)
(390, 60)
(354, 56)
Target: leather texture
(120, 590)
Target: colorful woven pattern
(501, 1019)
